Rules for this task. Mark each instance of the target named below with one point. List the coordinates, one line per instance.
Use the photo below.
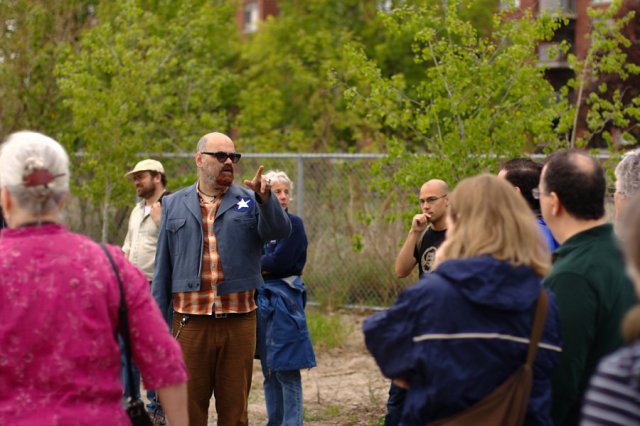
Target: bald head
(579, 182)
(436, 185)
(216, 138)
(215, 169)
(434, 202)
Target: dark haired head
(525, 174)
(163, 178)
(579, 182)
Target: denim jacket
(241, 225)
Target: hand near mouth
(262, 187)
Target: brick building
(251, 12)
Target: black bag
(135, 407)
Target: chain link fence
(354, 232)
(352, 241)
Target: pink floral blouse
(59, 359)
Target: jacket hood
(487, 281)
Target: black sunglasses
(222, 156)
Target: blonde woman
(461, 331)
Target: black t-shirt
(425, 254)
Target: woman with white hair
(60, 298)
(283, 343)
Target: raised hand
(260, 186)
(420, 222)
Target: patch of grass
(332, 411)
(380, 422)
(327, 330)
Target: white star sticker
(243, 204)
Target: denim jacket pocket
(174, 225)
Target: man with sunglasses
(207, 268)
(428, 230)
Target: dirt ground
(346, 388)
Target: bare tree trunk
(105, 210)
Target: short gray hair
(628, 174)
(278, 176)
(26, 155)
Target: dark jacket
(593, 293)
(286, 257)
(282, 334)
(457, 334)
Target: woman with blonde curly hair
(461, 331)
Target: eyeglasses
(535, 192)
(432, 200)
(222, 156)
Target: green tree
(606, 95)
(31, 35)
(481, 98)
(290, 98)
(147, 78)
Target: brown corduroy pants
(219, 356)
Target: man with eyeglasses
(428, 230)
(588, 275)
(207, 268)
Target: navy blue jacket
(458, 333)
(286, 257)
(282, 334)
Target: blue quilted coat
(282, 333)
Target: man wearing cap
(142, 237)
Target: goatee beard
(224, 179)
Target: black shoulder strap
(123, 322)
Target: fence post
(300, 184)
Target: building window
(509, 4)
(251, 17)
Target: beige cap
(147, 165)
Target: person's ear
(6, 202)
(198, 158)
(555, 204)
